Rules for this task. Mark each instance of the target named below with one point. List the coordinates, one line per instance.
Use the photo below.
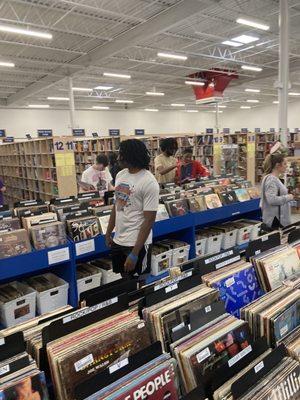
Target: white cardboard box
(89, 282)
(255, 227)
(20, 309)
(244, 233)
(180, 255)
(161, 262)
(201, 246)
(213, 244)
(109, 276)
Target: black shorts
(120, 253)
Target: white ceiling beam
(160, 23)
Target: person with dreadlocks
(134, 211)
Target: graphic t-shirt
(134, 194)
(99, 179)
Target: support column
(283, 78)
(71, 104)
(217, 147)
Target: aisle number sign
(45, 132)
(139, 132)
(2, 133)
(226, 130)
(78, 132)
(209, 130)
(257, 130)
(244, 130)
(114, 132)
(8, 139)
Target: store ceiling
(91, 37)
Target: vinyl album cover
(177, 208)
(242, 194)
(213, 201)
(14, 243)
(287, 321)
(239, 289)
(162, 213)
(84, 228)
(43, 208)
(254, 192)
(11, 224)
(36, 219)
(49, 235)
(228, 197)
(197, 203)
(31, 387)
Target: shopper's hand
(108, 240)
(290, 197)
(129, 265)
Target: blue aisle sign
(78, 132)
(139, 132)
(226, 130)
(114, 132)
(257, 130)
(209, 130)
(296, 130)
(2, 133)
(8, 139)
(45, 133)
(244, 130)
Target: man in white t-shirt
(98, 176)
(134, 212)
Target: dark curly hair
(134, 153)
(168, 144)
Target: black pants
(120, 253)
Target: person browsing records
(188, 168)
(165, 163)
(275, 199)
(134, 211)
(97, 176)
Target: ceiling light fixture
(155, 94)
(275, 102)
(58, 98)
(245, 107)
(177, 104)
(252, 101)
(294, 94)
(222, 106)
(25, 32)
(195, 83)
(151, 109)
(124, 101)
(245, 39)
(103, 87)
(111, 75)
(100, 107)
(253, 24)
(172, 56)
(6, 64)
(252, 90)
(191, 111)
(38, 106)
(82, 89)
(251, 68)
(232, 43)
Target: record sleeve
(10, 224)
(14, 243)
(212, 201)
(177, 208)
(49, 235)
(242, 194)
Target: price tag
(259, 367)
(177, 279)
(207, 309)
(118, 365)
(257, 252)
(141, 325)
(4, 370)
(264, 238)
(85, 247)
(203, 355)
(57, 256)
(84, 362)
(171, 288)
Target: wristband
(133, 257)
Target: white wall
(19, 122)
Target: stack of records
(276, 265)
(237, 283)
(43, 208)
(103, 213)
(275, 315)
(292, 344)
(31, 220)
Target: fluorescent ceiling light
(245, 107)
(155, 94)
(173, 56)
(100, 107)
(103, 87)
(151, 109)
(6, 64)
(177, 104)
(232, 43)
(192, 111)
(222, 106)
(253, 24)
(275, 102)
(245, 39)
(251, 68)
(38, 106)
(26, 32)
(294, 94)
(82, 89)
(195, 83)
(59, 98)
(252, 101)
(220, 112)
(252, 90)
(111, 75)
(124, 101)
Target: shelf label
(171, 288)
(259, 367)
(78, 132)
(45, 132)
(84, 362)
(4, 370)
(207, 309)
(229, 282)
(114, 132)
(203, 355)
(239, 356)
(59, 255)
(235, 213)
(218, 257)
(2, 133)
(87, 246)
(227, 262)
(244, 130)
(118, 365)
(139, 132)
(209, 130)
(172, 281)
(284, 330)
(226, 130)
(8, 139)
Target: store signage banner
(139, 132)
(114, 132)
(45, 133)
(78, 132)
(209, 130)
(9, 139)
(244, 130)
(226, 130)
(257, 130)
(2, 133)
